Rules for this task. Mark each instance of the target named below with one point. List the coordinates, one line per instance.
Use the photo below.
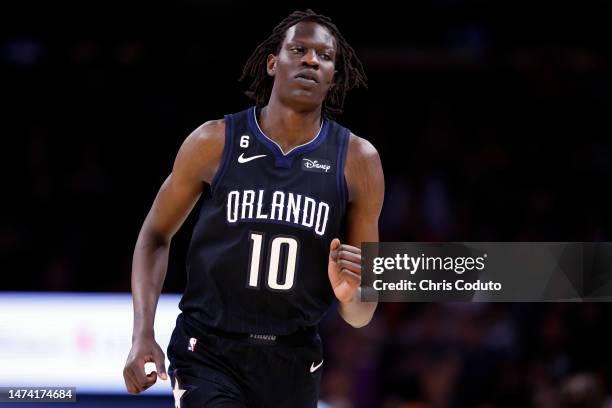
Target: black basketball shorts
(209, 368)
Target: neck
(287, 126)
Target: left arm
(366, 187)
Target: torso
(258, 256)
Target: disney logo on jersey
(316, 165)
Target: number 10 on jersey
(275, 249)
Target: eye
(297, 49)
(326, 56)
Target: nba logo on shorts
(192, 343)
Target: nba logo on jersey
(192, 343)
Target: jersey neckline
(281, 158)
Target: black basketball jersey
(257, 262)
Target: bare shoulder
(360, 150)
(209, 135)
(202, 150)
(363, 172)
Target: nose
(310, 58)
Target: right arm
(196, 163)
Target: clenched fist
(143, 350)
(344, 269)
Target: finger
(139, 383)
(138, 370)
(349, 256)
(351, 266)
(351, 278)
(333, 249)
(128, 383)
(134, 387)
(350, 248)
(160, 365)
(151, 378)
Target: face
(304, 68)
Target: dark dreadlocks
(350, 70)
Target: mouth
(307, 77)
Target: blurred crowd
(472, 355)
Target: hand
(143, 351)
(344, 270)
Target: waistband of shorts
(306, 336)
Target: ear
(271, 65)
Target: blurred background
(492, 120)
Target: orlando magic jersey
(257, 262)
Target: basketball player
(281, 183)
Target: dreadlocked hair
(350, 73)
